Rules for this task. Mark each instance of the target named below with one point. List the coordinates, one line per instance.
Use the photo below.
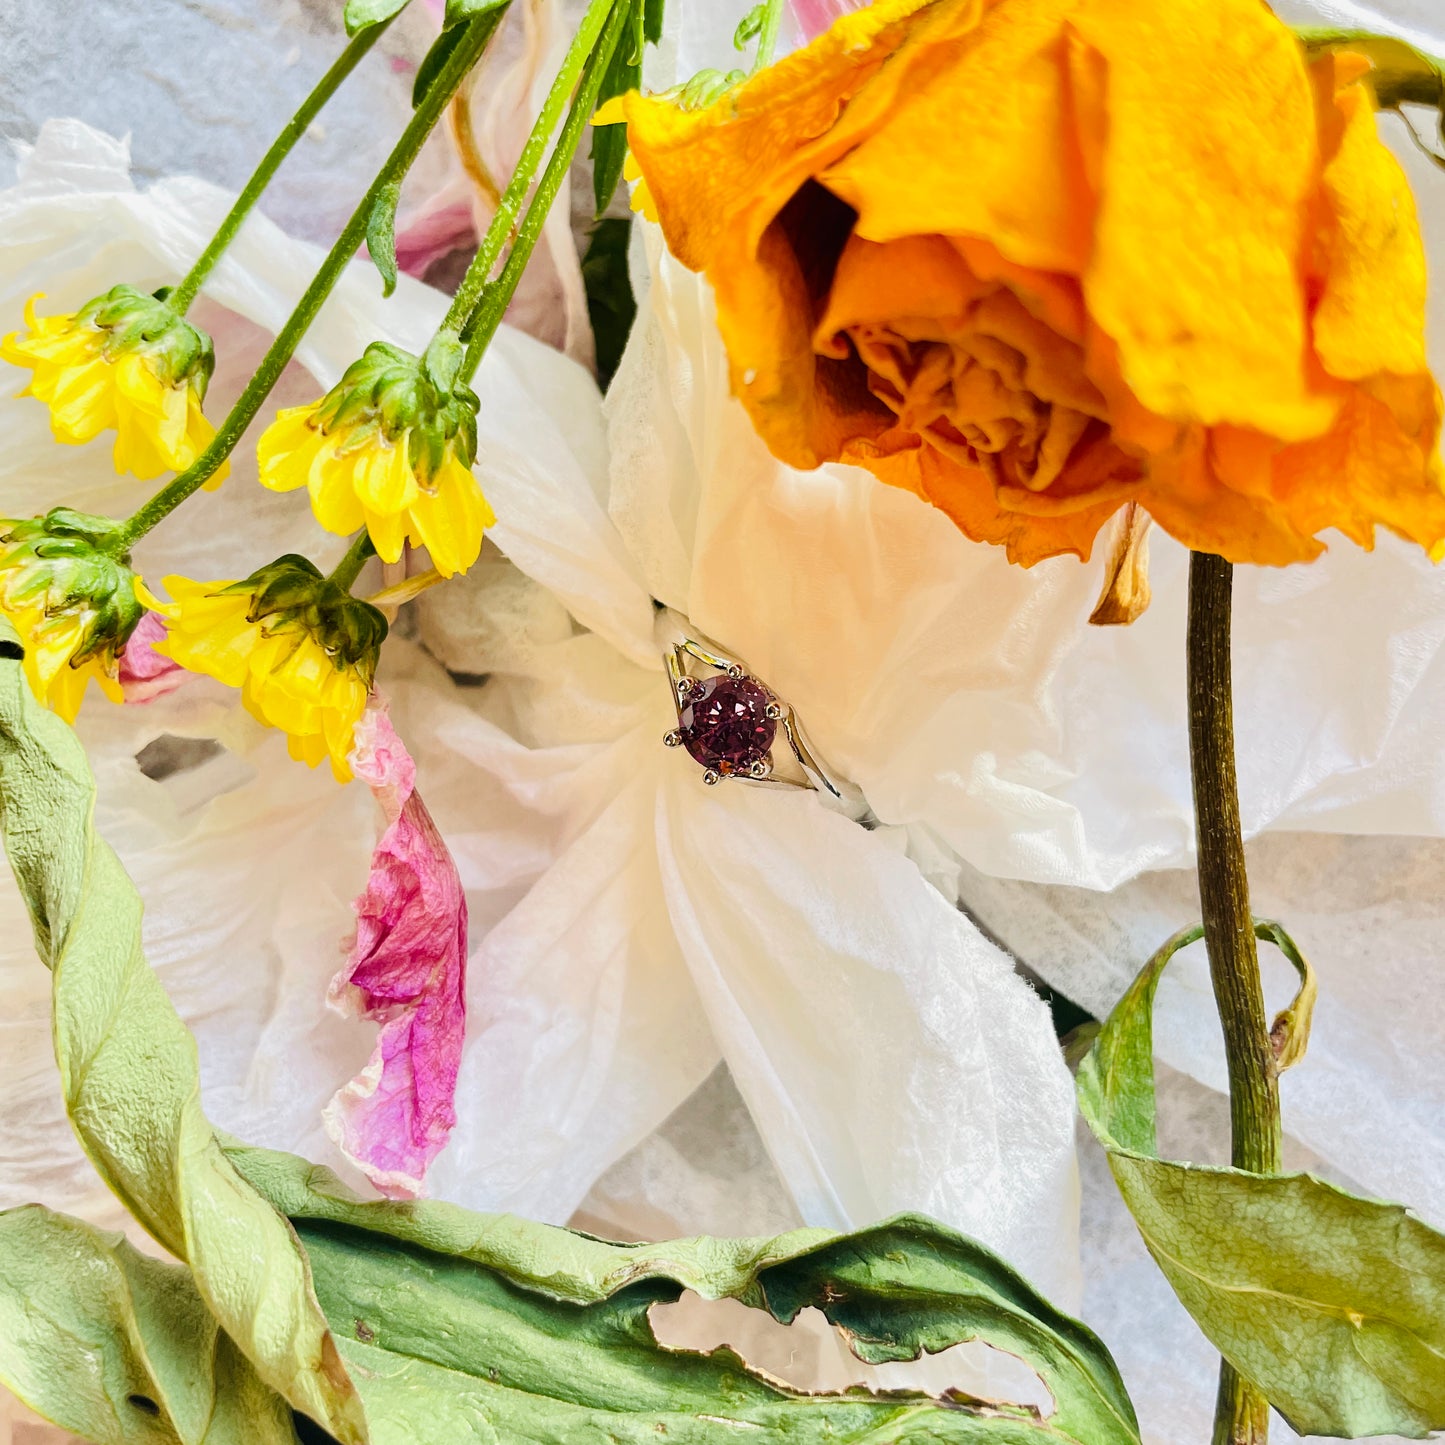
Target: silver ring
(728, 721)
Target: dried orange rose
(1035, 259)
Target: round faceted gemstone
(724, 723)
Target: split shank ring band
(727, 719)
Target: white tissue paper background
(633, 929)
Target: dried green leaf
(547, 1337)
(129, 1071)
(1333, 1306)
(117, 1347)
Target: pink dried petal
(144, 674)
(407, 971)
(380, 759)
(813, 17)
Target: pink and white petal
(813, 17)
(381, 760)
(406, 970)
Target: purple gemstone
(724, 723)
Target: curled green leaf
(129, 1071)
(1331, 1305)
(381, 233)
(117, 1347)
(547, 1335)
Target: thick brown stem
(1242, 1414)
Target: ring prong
(712, 777)
(672, 739)
(735, 669)
(685, 686)
(774, 710)
(761, 768)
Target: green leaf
(624, 73)
(381, 233)
(611, 306)
(129, 1071)
(112, 1345)
(361, 15)
(488, 12)
(1333, 1306)
(433, 62)
(460, 10)
(546, 1335)
(652, 21)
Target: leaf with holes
(129, 1071)
(1333, 1306)
(112, 1345)
(496, 1329)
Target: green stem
(768, 35)
(509, 207)
(1402, 74)
(182, 295)
(487, 316)
(357, 556)
(1242, 1413)
(461, 60)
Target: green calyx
(134, 322)
(60, 565)
(704, 88)
(291, 593)
(398, 395)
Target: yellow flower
(1037, 259)
(302, 651)
(389, 449)
(56, 676)
(73, 604)
(125, 362)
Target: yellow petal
(450, 521)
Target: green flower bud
(177, 350)
(292, 593)
(404, 396)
